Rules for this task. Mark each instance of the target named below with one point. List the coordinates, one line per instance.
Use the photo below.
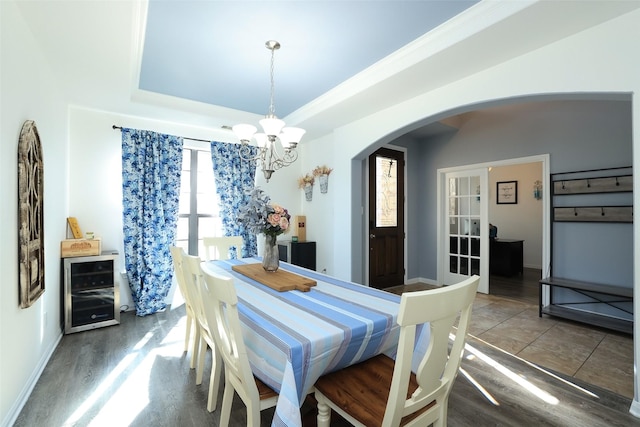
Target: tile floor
(597, 356)
(594, 355)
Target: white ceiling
(204, 63)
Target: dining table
(293, 337)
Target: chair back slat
(193, 276)
(190, 278)
(177, 255)
(405, 392)
(220, 303)
(220, 247)
(191, 322)
(440, 364)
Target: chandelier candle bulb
(291, 136)
(272, 126)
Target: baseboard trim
(635, 408)
(15, 410)
(422, 280)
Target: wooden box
(299, 227)
(80, 247)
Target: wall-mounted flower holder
(308, 192)
(324, 183)
(322, 172)
(306, 183)
(537, 190)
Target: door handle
(372, 236)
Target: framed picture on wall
(507, 192)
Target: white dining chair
(221, 307)
(219, 247)
(384, 392)
(194, 280)
(191, 326)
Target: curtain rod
(183, 137)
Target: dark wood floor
(135, 374)
(520, 287)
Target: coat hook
(563, 185)
(617, 183)
(588, 184)
(575, 211)
(602, 211)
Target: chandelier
(277, 143)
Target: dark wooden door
(386, 218)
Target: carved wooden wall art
(30, 215)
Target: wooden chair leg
(227, 400)
(201, 356)
(214, 380)
(253, 416)
(187, 335)
(442, 415)
(194, 345)
(324, 414)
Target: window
(464, 225)
(198, 214)
(386, 192)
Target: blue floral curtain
(151, 168)
(234, 178)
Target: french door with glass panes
(467, 228)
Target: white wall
(522, 221)
(320, 210)
(29, 92)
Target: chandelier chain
(272, 107)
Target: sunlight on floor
(543, 370)
(527, 385)
(102, 388)
(131, 396)
(480, 388)
(129, 399)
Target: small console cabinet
(506, 257)
(91, 292)
(298, 253)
